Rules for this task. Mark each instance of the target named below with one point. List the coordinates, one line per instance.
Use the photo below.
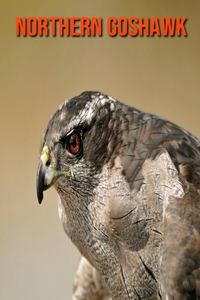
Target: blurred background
(157, 75)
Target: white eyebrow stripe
(91, 107)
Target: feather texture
(131, 202)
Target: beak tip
(40, 183)
(40, 199)
(39, 195)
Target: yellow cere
(45, 155)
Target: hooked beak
(46, 176)
(45, 179)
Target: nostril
(48, 162)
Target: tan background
(158, 75)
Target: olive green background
(158, 75)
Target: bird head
(79, 140)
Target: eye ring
(74, 143)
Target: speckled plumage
(129, 200)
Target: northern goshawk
(129, 199)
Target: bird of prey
(129, 199)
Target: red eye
(74, 143)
